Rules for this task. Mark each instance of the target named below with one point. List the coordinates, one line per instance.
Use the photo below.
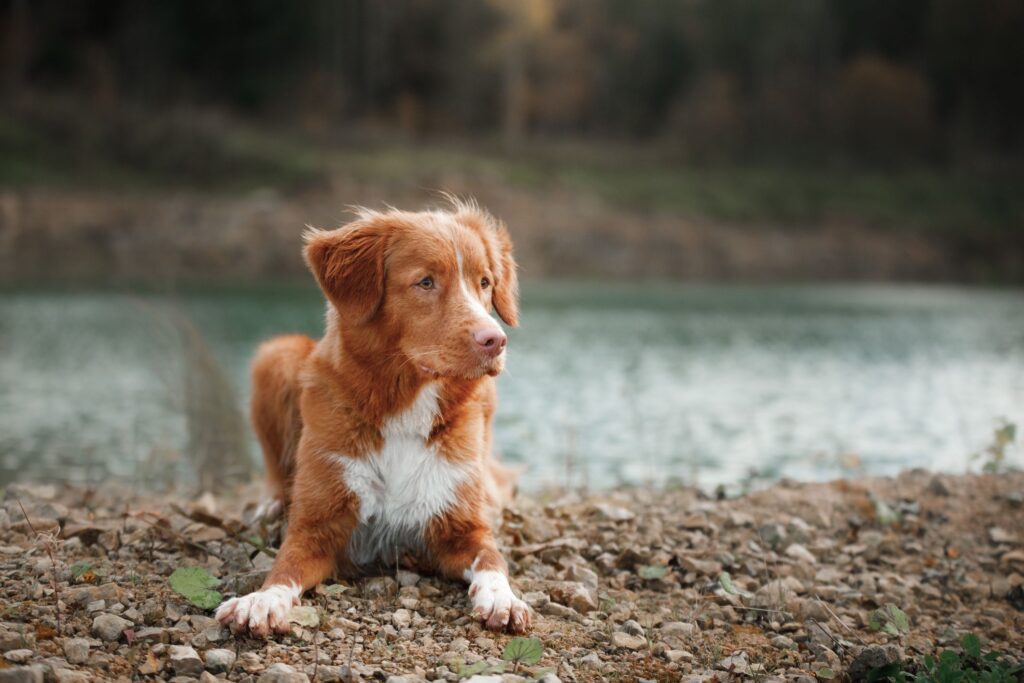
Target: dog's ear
(348, 264)
(506, 281)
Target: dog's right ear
(348, 264)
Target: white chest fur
(401, 487)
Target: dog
(377, 438)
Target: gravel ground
(625, 585)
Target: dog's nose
(490, 340)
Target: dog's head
(424, 284)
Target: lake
(606, 384)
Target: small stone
(151, 635)
(401, 618)
(18, 656)
(702, 567)
(21, 674)
(773, 533)
(407, 578)
(1000, 535)
(553, 609)
(783, 643)
(871, 658)
(207, 677)
(219, 660)
(573, 594)
(632, 627)
(379, 587)
(282, 673)
(622, 639)
(76, 650)
(185, 660)
(592, 661)
(304, 615)
(583, 575)
(613, 512)
(678, 655)
(800, 553)
(938, 487)
(736, 663)
(536, 599)
(71, 676)
(151, 664)
(679, 635)
(109, 627)
(12, 640)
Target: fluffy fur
(377, 437)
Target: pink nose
(490, 340)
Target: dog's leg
(466, 549)
(315, 536)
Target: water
(605, 384)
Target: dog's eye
(485, 283)
(426, 283)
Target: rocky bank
(625, 585)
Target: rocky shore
(798, 582)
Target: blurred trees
(882, 81)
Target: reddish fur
(383, 341)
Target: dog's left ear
(348, 264)
(506, 281)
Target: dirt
(624, 585)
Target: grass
(133, 150)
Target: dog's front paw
(496, 605)
(260, 613)
(268, 510)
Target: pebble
(18, 656)
(109, 627)
(783, 643)
(407, 578)
(872, 657)
(625, 640)
(185, 660)
(401, 618)
(678, 655)
(21, 674)
(282, 673)
(76, 650)
(800, 553)
(219, 660)
(632, 627)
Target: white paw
(260, 612)
(495, 604)
(268, 510)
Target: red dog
(377, 438)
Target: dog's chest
(403, 486)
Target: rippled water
(605, 384)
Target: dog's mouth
(492, 369)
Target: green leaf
(78, 569)
(889, 619)
(652, 571)
(725, 581)
(898, 618)
(972, 645)
(467, 670)
(884, 512)
(523, 651)
(195, 584)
